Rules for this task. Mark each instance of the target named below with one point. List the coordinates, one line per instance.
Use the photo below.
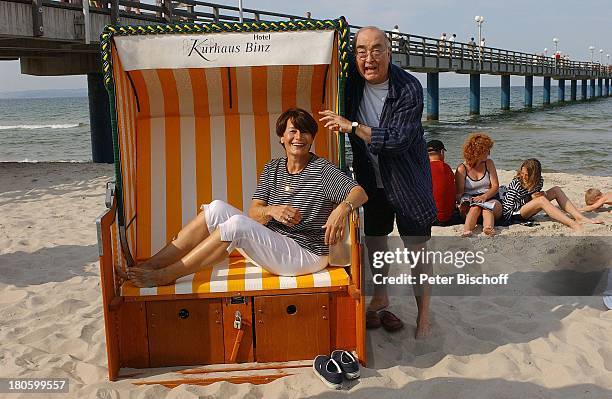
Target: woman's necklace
(294, 178)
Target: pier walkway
(53, 37)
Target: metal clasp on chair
(237, 320)
(110, 193)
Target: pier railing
(456, 56)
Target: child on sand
(595, 199)
(525, 198)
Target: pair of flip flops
(334, 368)
(384, 318)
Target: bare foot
(489, 230)
(577, 227)
(466, 233)
(587, 220)
(423, 330)
(378, 303)
(149, 278)
(149, 264)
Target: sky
(520, 25)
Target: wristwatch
(354, 127)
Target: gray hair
(375, 28)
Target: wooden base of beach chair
(274, 328)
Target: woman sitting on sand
(291, 220)
(477, 185)
(525, 198)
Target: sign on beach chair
(193, 109)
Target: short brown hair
(534, 173)
(475, 146)
(300, 118)
(591, 196)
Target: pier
(53, 37)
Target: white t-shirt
(370, 109)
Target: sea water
(570, 138)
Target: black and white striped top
(517, 196)
(313, 191)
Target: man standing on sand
(384, 109)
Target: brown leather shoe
(389, 321)
(372, 319)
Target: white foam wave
(28, 160)
(31, 127)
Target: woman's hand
(479, 198)
(335, 122)
(285, 214)
(334, 227)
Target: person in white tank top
(477, 185)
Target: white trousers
(268, 249)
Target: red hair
(475, 147)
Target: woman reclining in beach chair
(291, 221)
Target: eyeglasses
(376, 53)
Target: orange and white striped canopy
(188, 135)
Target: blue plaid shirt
(399, 143)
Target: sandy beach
(51, 320)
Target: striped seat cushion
(237, 275)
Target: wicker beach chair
(193, 110)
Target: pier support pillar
(592, 88)
(99, 120)
(573, 89)
(433, 96)
(474, 94)
(561, 92)
(599, 87)
(528, 91)
(505, 92)
(546, 90)
(607, 87)
(583, 90)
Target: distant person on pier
(477, 185)
(525, 198)
(395, 38)
(451, 43)
(442, 44)
(481, 48)
(595, 199)
(471, 47)
(443, 180)
(384, 105)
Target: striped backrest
(188, 136)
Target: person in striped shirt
(525, 198)
(290, 225)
